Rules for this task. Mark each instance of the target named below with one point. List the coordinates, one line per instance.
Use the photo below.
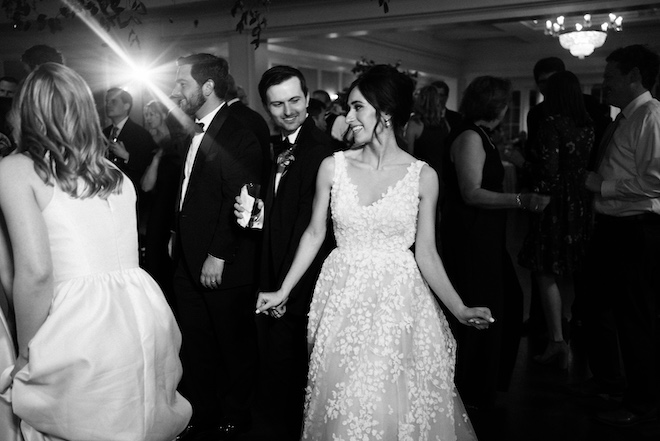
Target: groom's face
(287, 105)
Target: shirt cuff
(608, 189)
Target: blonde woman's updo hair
(56, 124)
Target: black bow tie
(283, 146)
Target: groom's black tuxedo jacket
(229, 156)
(288, 213)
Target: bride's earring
(388, 123)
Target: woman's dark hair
(564, 97)
(388, 91)
(428, 105)
(485, 98)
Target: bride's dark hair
(388, 91)
(56, 124)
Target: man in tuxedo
(216, 260)
(252, 121)
(300, 149)
(131, 145)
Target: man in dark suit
(216, 260)
(453, 118)
(252, 121)
(131, 145)
(288, 210)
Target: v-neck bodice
(387, 223)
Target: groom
(300, 149)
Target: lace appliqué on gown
(382, 360)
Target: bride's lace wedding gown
(382, 354)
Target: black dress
(480, 268)
(162, 206)
(431, 146)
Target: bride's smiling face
(361, 117)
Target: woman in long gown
(97, 343)
(556, 243)
(474, 242)
(382, 354)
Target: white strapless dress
(105, 364)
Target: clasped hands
(479, 317)
(272, 303)
(535, 202)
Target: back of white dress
(93, 235)
(105, 363)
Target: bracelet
(519, 201)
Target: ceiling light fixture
(583, 40)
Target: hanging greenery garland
(24, 14)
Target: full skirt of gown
(104, 366)
(382, 354)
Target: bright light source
(141, 74)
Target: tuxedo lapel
(187, 141)
(205, 150)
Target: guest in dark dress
(473, 231)
(427, 133)
(557, 239)
(160, 183)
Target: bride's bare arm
(428, 260)
(310, 242)
(33, 275)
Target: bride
(382, 355)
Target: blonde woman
(97, 343)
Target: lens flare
(132, 73)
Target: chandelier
(583, 39)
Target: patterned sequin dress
(558, 237)
(382, 358)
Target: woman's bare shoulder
(16, 165)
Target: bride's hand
(479, 317)
(268, 300)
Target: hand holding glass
(252, 205)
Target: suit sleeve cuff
(608, 189)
